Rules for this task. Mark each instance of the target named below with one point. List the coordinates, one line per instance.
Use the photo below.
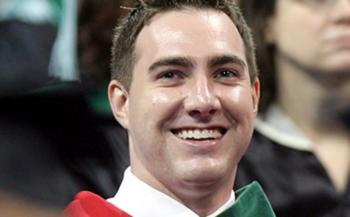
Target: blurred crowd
(57, 134)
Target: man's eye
(170, 78)
(225, 74)
(170, 75)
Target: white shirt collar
(277, 126)
(139, 199)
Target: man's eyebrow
(226, 59)
(171, 61)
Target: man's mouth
(199, 134)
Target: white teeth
(199, 134)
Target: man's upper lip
(343, 38)
(200, 127)
(338, 42)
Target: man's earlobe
(118, 100)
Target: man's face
(316, 33)
(191, 106)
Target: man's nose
(340, 12)
(202, 100)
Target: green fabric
(251, 202)
(31, 11)
(64, 63)
(99, 101)
(58, 87)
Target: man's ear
(256, 94)
(118, 100)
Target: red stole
(87, 204)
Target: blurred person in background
(96, 24)
(31, 174)
(52, 142)
(300, 151)
(28, 32)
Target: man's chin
(203, 175)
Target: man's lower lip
(201, 144)
(341, 46)
(342, 43)
(343, 39)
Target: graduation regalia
(87, 204)
(251, 202)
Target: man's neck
(203, 199)
(138, 198)
(208, 203)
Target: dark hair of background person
(256, 13)
(96, 22)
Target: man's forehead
(172, 17)
(184, 25)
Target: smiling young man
(184, 85)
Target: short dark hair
(127, 31)
(257, 13)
